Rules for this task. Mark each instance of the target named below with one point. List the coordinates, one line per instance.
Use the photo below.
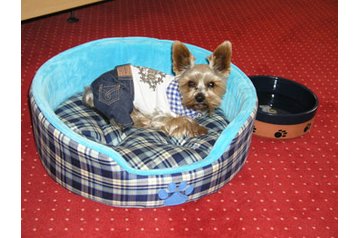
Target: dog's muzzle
(200, 97)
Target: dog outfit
(116, 92)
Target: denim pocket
(109, 94)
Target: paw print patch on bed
(143, 149)
(175, 195)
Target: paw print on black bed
(175, 195)
(307, 127)
(280, 133)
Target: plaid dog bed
(143, 149)
(94, 169)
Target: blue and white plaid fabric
(142, 148)
(175, 101)
(98, 177)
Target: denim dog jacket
(113, 94)
(117, 92)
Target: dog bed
(134, 167)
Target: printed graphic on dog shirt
(151, 77)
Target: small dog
(118, 94)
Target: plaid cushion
(141, 148)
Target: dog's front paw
(200, 131)
(183, 127)
(181, 132)
(195, 130)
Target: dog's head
(203, 85)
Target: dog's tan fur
(202, 87)
(208, 80)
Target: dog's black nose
(200, 97)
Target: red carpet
(286, 189)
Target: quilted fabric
(141, 148)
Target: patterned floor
(286, 189)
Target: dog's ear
(182, 58)
(220, 60)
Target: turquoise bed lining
(69, 72)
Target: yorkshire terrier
(145, 98)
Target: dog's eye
(211, 85)
(191, 84)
